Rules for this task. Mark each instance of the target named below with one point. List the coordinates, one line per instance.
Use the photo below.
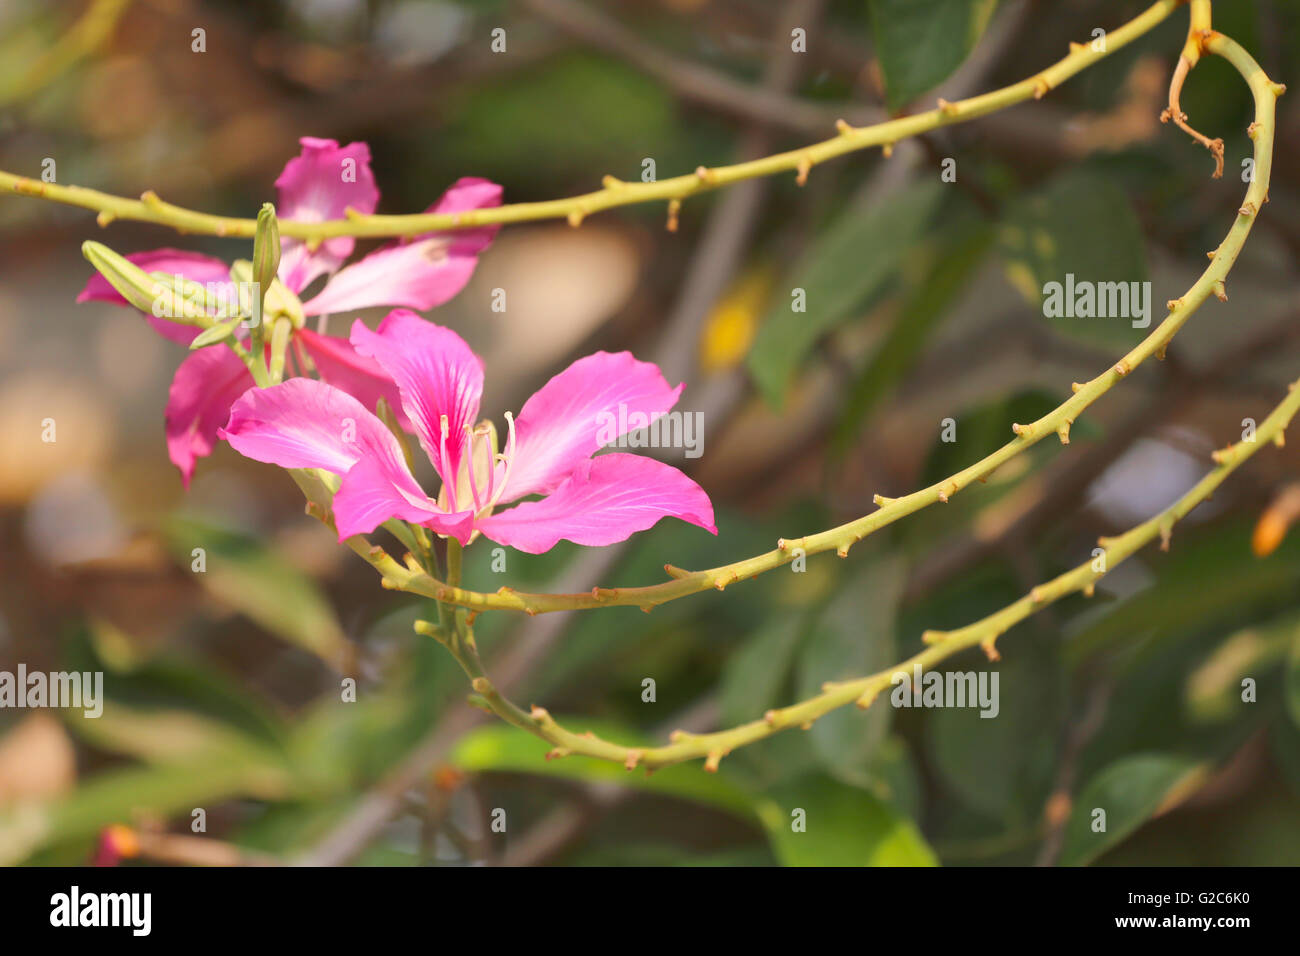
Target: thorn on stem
(712, 760)
(843, 127)
(633, 758)
(1220, 290)
(802, 170)
(1063, 432)
(990, 648)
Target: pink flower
(321, 183)
(548, 451)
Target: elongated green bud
(133, 283)
(266, 248)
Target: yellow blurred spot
(732, 324)
(1020, 276)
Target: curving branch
(712, 747)
(614, 192)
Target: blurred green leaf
(921, 42)
(756, 673)
(853, 637)
(924, 309)
(843, 826)
(1131, 791)
(849, 266)
(250, 577)
(1002, 765)
(1080, 224)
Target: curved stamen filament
(473, 467)
(506, 459)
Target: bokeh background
(223, 687)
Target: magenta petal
(437, 376)
(320, 184)
(586, 406)
(363, 378)
(303, 423)
(206, 384)
(420, 274)
(377, 489)
(193, 266)
(605, 500)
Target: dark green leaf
(1130, 791)
(921, 42)
(1080, 234)
(847, 268)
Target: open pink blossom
(548, 451)
(321, 183)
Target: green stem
(712, 747)
(614, 192)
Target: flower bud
(266, 247)
(133, 283)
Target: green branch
(614, 192)
(712, 747)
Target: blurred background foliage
(224, 686)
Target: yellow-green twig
(614, 192)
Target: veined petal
(421, 273)
(591, 403)
(437, 377)
(379, 488)
(206, 384)
(605, 500)
(318, 184)
(361, 377)
(303, 423)
(193, 266)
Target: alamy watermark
(1101, 300)
(946, 689)
(60, 689)
(624, 428)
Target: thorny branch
(614, 192)
(712, 747)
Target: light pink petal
(319, 184)
(437, 377)
(578, 411)
(206, 384)
(339, 364)
(421, 273)
(193, 266)
(605, 500)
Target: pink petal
(206, 384)
(437, 376)
(303, 423)
(570, 417)
(190, 265)
(605, 500)
(339, 364)
(421, 273)
(378, 488)
(320, 184)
